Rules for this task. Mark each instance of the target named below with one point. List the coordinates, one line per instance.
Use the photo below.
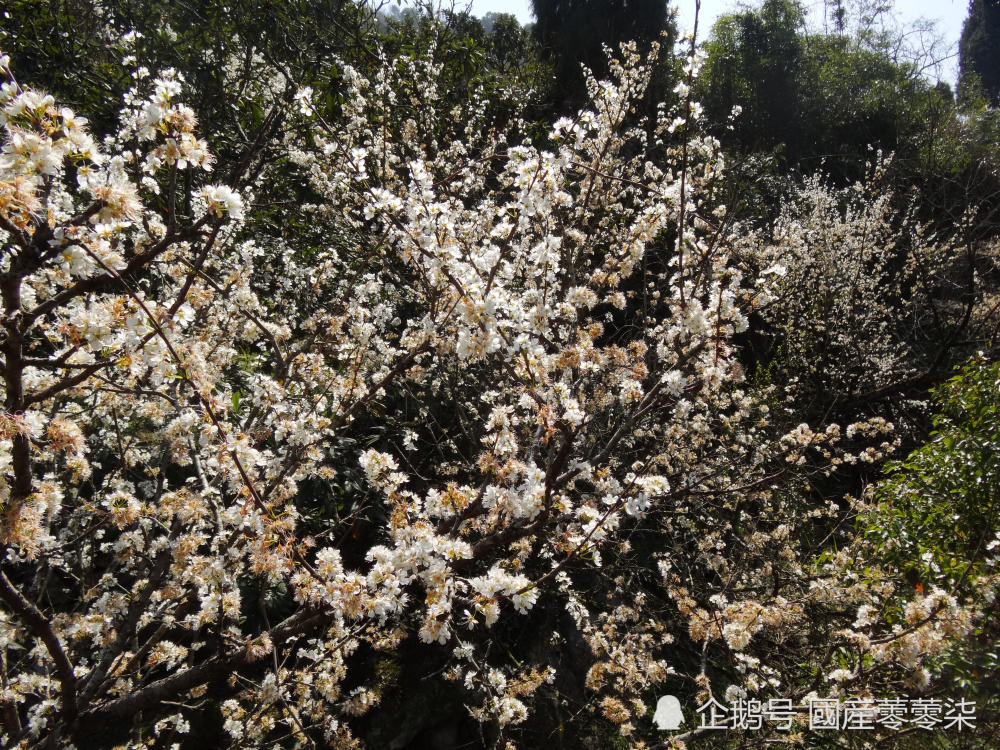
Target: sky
(948, 15)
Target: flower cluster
(484, 377)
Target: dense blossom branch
(462, 378)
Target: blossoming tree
(513, 366)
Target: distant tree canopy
(979, 50)
(509, 44)
(573, 32)
(816, 101)
(754, 62)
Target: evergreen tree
(979, 51)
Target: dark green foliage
(979, 52)
(754, 61)
(574, 32)
(62, 49)
(509, 45)
(815, 101)
(958, 468)
(937, 520)
(74, 50)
